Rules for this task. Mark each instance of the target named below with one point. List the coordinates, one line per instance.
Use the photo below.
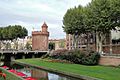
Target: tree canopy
(12, 32)
(99, 16)
(104, 17)
(73, 21)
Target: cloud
(32, 13)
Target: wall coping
(117, 57)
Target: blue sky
(32, 14)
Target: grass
(101, 72)
(9, 76)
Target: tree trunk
(88, 42)
(17, 44)
(101, 38)
(110, 43)
(97, 42)
(75, 41)
(0, 45)
(100, 44)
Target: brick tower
(40, 39)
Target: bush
(57, 54)
(91, 58)
(77, 56)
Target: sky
(33, 13)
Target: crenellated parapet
(40, 38)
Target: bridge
(8, 56)
(22, 51)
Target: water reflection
(43, 75)
(38, 74)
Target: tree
(12, 32)
(61, 43)
(19, 31)
(103, 16)
(52, 46)
(99, 16)
(28, 46)
(115, 12)
(73, 22)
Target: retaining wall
(110, 60)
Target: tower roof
(44, 25)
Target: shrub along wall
(77, 56)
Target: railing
(22, 51)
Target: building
(58, 43)
(82, 43)
(17, 44)
(24, 43)
(40, 39)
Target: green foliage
(28, 46)
(62, 44)
(99, 16)
(73, 21)
(58, 53)
(12, 32)
(91, 58)
(52, 46)
(103, 18)
(77, 56)
(115, 12)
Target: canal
(40, 74)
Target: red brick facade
(115, 48)
(40, 39)
(82, 44)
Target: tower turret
(40, 39)
(44, 27)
